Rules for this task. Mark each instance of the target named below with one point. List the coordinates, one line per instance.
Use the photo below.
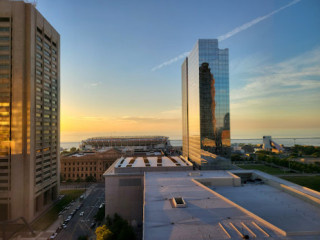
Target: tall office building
(29, 111)
(205, 105)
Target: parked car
(81, 214)
(53, 236)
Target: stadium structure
(133, 143)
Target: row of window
(82, 163)
(45, 36)
(4, 29)
(79, 175)
(4, 48)
(83, 169)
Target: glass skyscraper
(205, 105)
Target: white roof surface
(208, 216)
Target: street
(80, 225)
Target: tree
(91, 179)
(103, 233)
(73, 149)
(83, 237)
(100, 214)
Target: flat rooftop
(260, 211)
(275, 206)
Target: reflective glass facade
(205, 97)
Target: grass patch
(49, 217)
(312, 182)
(262, 168)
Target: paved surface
(80, 225)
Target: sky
(121, 64)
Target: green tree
(91, 179)
(73, 149)
(83, 237)
(100, 214)
(103, 233)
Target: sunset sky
(121, 64)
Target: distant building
(82, 165)
(205, 106)
(270, 145)
(29, 111)
(127, 144)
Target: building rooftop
(156, 161)
(217, 209)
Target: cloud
(229, 34)
(92, 84)
(298, 74)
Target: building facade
(205, 105)
(29, 111)
(80, 166)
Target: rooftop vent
(193, 174)
(178, 202)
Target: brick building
(83, 165)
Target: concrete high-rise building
(205, 105)
(29, 111)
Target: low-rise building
(124, 183)
(215, 204)
(86, 164)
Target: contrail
(183, 55)
(230, 34)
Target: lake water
(288, 142)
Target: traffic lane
(76, 226)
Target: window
(46, 45)
(54, 44)
(4, 29)
(38, 56)
(4, 38)
(54, 59)
(38, 64)
(46, 69)
(4, 66)
(54, 51)
(38, 72)
(4, 57)
(49, 39)
(4, 48)
(4, 19)
(38, 38)
(39, 30)
(47, 61)
(4, 76)
(46, 53)
(39, 47)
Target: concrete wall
(124, 196)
